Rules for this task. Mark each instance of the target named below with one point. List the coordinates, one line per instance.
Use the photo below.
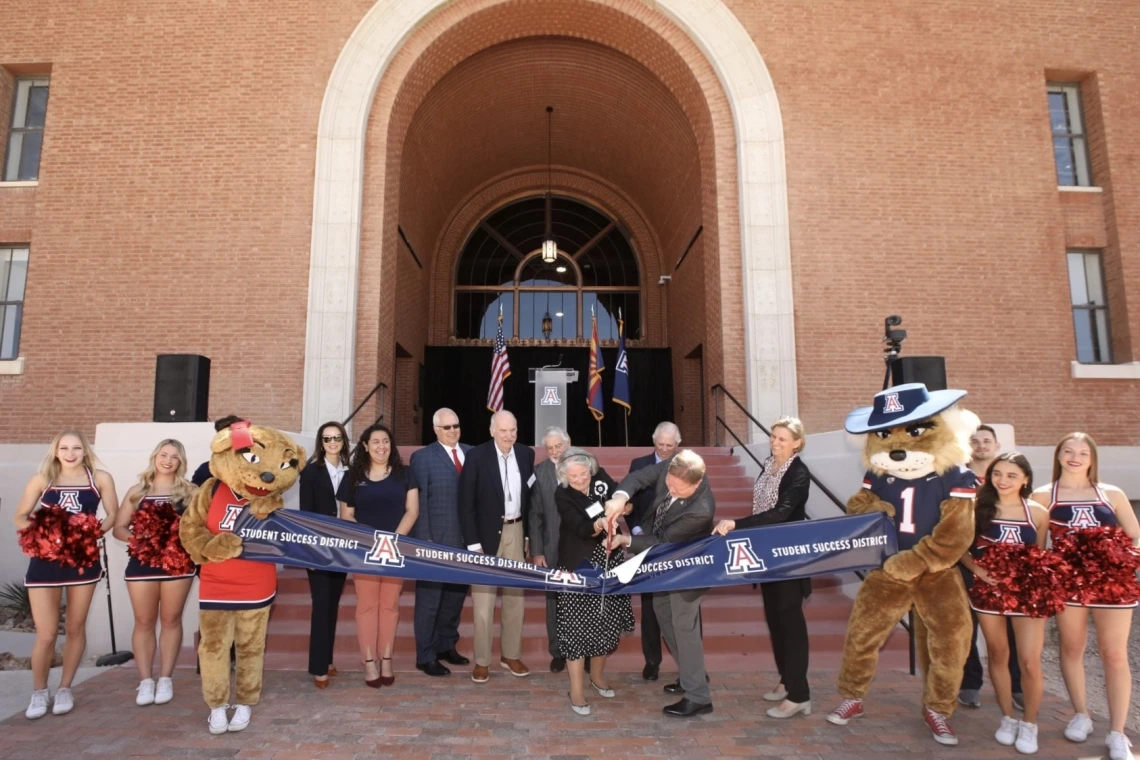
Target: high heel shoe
(321, 684)
(795, 709)
(333, 671)
(778, 694)
(387, 680)
(373, 683)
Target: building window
(1090, 309)
(13, 276)
(501, 267)
(1070, 148)
(26, 132)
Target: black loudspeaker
(929, 370)
(181, 388)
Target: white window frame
(1105, 344)
(8, 253)
(1076, 134)
(17, 128)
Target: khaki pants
(511, 617)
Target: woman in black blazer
(586, 628)
(319, 481)
(780, 495)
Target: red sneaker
(848, 710)
(939, 727)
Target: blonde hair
(688, 466)
(796, 428)
(50, 466)
(1092, 459)
(182, 490)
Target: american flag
(500, 369)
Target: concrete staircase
(735, 635)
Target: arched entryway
(391, 91)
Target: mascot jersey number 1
(252, 467)
(915, 448)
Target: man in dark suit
(665, 440)
(438, 605)
(544, 525)
(494, 498)
(685, 513)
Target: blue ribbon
(757, 555)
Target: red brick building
(290, 189)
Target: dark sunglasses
(332, 438)
(448, 427)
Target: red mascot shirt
(235, 584)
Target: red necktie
(458, 464)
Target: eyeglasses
(332, 438)
(448, 427)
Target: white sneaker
(1026, 738)
(1118, 746)
(219, 721)
(146, 692)
(165, 691)
(37, 708)
(1007, 731)
(1079, 728)
(64, 702)
(242, 714)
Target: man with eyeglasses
(438, 605)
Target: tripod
(115, 657)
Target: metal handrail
(907, 624)
(371, 393)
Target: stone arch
(730, 71)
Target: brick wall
(174, 208)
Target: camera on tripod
(892, 337)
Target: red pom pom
(1029, 581)
(175, 560)
(1104, 563)
(56, 535)
(154, 540)
(43, 538)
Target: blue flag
(621, 372)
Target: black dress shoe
(432, 668)
(650, 672)
(673, 688)
(453, 658)
(557, 664)
(687, 709)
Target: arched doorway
(706, 63)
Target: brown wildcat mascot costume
(252, 467)
(915, 448)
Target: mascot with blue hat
(915, 447)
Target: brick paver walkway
(508, 717)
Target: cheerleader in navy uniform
(68, 479)
(154, 592)
(1077, 501)
(1004, 515)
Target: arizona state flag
(594, 391)
(621, 371)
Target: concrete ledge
(1128, 371)
(1079, 189)
(12, 366)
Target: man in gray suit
(684, 512)
(544, 527)
(438, 605)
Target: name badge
(594, 510)
(530, 482)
